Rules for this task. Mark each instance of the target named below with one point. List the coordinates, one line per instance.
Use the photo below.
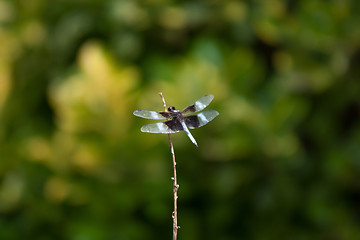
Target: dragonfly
(178, 121)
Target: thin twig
(175, 185)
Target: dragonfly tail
(189, 133)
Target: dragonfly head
(171, 109)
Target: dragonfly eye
(171, 108)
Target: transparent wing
(151, 114)
(200, 119)
(199, 104)
(157, 128)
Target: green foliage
(280, 162)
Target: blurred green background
(281, 161)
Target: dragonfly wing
(199, 105)
(171, 126)
(156, 128)
(200, 119)
(151, 114)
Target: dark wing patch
(192, 122)
(174, 125)
(189, 109)
(165, 114)
(202, 119)
(199, 105)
